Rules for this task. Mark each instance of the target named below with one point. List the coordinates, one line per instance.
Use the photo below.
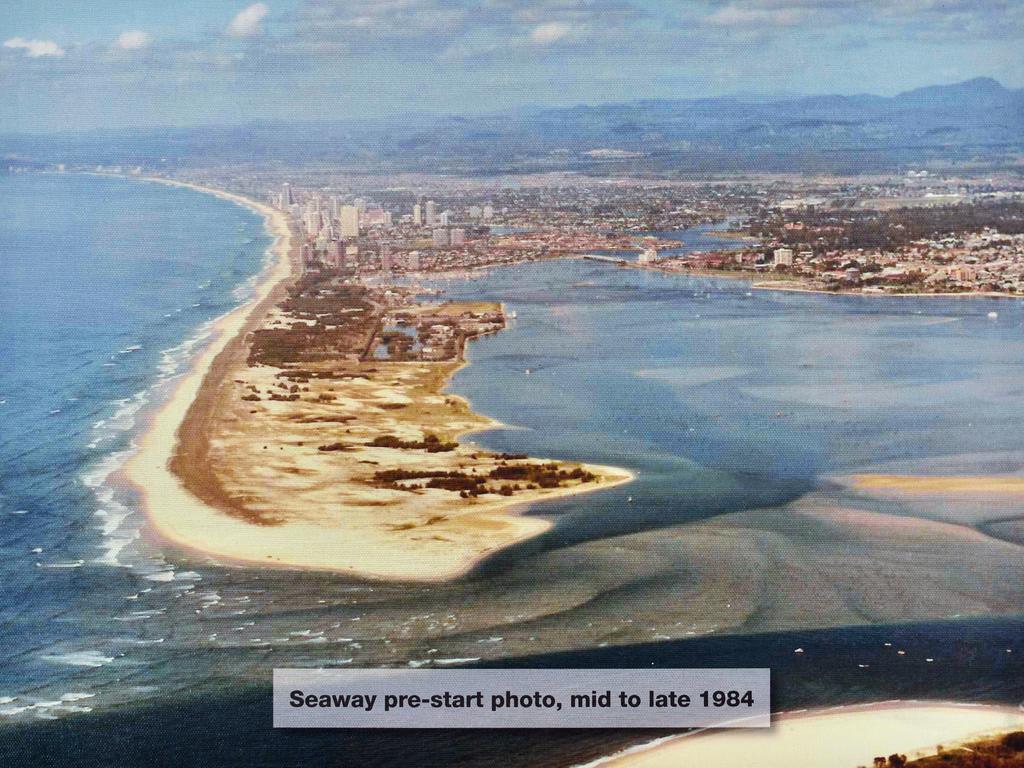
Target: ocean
(108, 288)
(738, 410)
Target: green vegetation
(399, 345)
(999, 752)
(432, 443)
(532, 476)
(826, 229)
(333, 320)
(542, 475)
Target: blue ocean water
(106, 288)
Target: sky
(88, 64)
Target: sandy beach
(166, 501)
(841, 737)
(208, 482)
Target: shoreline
(149, 470)
(758, 282)
(188, 505)
(794, 288)
(845, 729)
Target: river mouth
(739, 412)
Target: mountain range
(978, 122)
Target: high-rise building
(336, 254)
(488, 211)
(286, 195)
(475, 212)
(349, 221)
(783, 257)
(335, 207)
(431, 213)
(444, 218)
(417, 215)
(312, 222)
(458, 236)
(441, 239)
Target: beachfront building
(783, 257)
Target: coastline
(793, 287)
(188, 505)
(758, 282)
(837, 737)
(149, 471)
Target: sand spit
(841, 737)
(257, 482)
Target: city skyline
(126, 65)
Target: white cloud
(544, 34)
(737, 16)
(34, 48)
(247, 21)
(133, 39)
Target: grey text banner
(521, 698)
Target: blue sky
(83, 64)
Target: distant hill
(977, 121)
